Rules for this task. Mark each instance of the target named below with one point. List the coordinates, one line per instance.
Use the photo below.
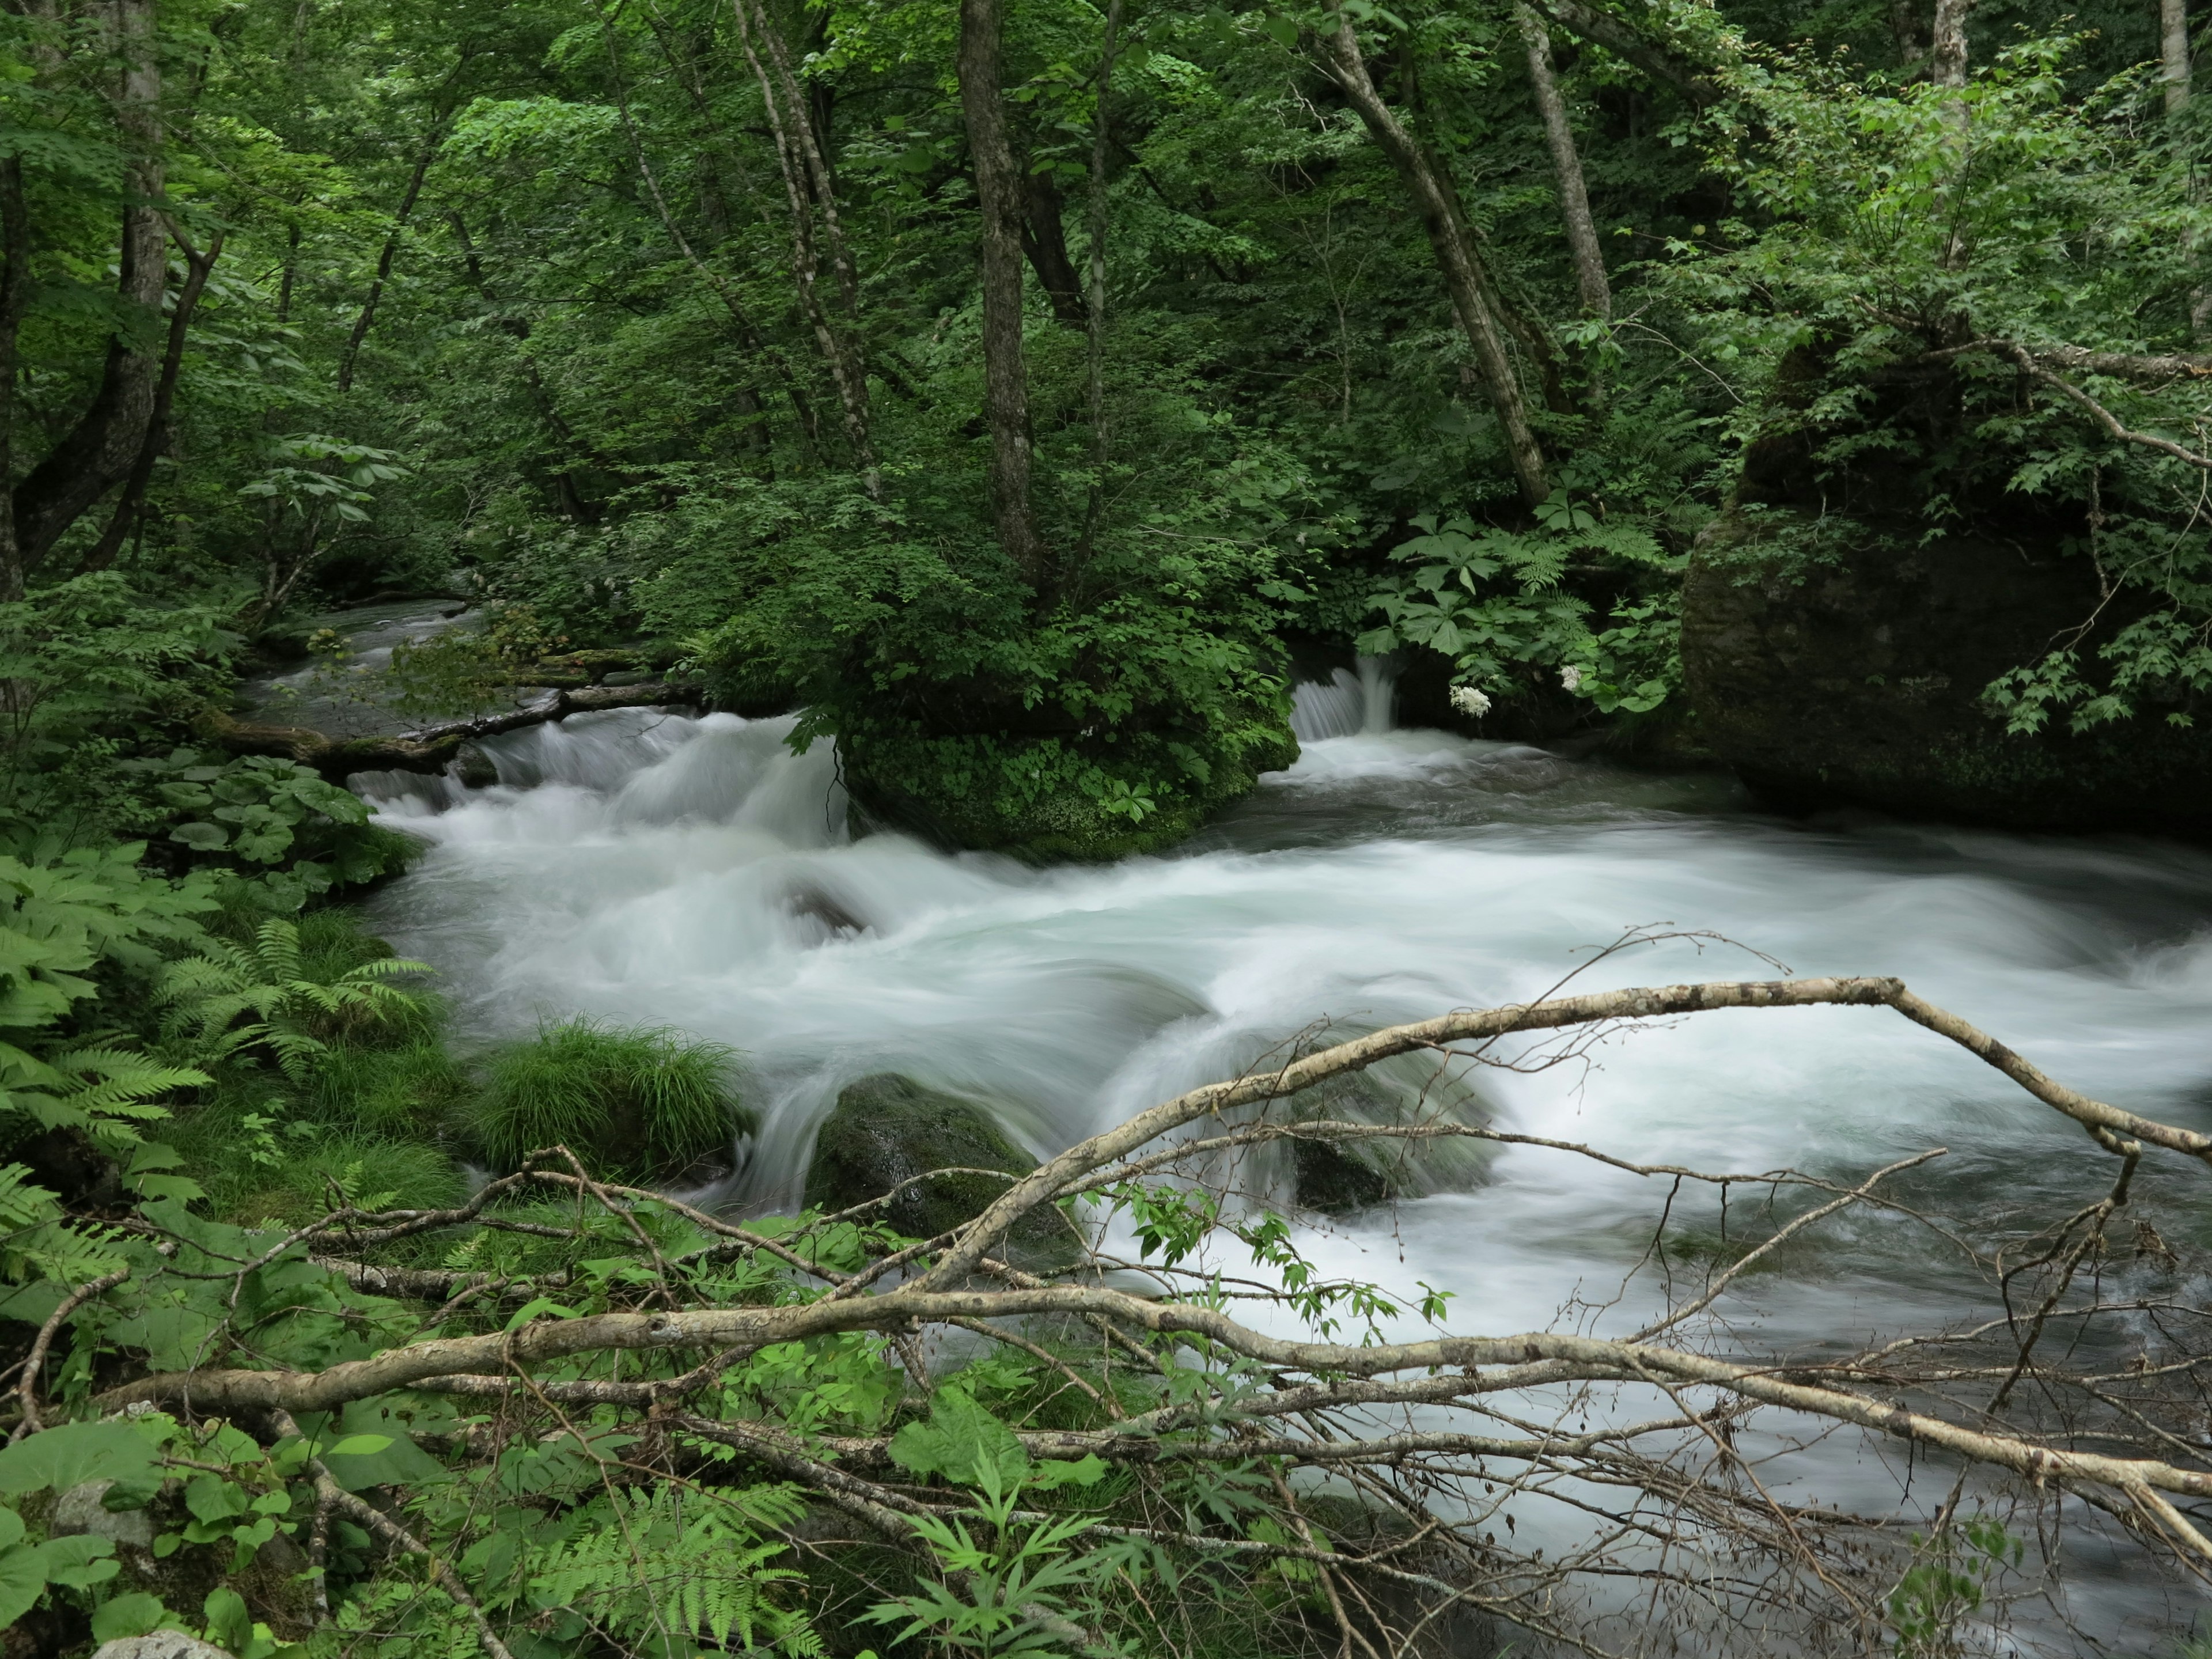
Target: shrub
(631, 1100)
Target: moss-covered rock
(887, 1129)
(1831, 661)
(1049, 797)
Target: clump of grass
(637, 1102)
(370, 1170)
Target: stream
(648, 866)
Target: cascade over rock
(887, 1129)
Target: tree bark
(431, 144)
(15, 296)
(809, 188)
(1466, 280)
(1044, 239)
(1005, 381)
(1947, 66)
(2173, 53)
(98, 452)
(1659, 61)
(161, 430)
(1094, 297)
(1597, 294)
(1904, 29)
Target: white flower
(1571, 676)
(1468, 700)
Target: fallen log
(431, 749)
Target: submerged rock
(1330, 1179)
(1835, 662)
(887, 1129)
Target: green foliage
(630, 1101)
(270, 817)
(1946, 1583)
(660, 1564)
(64, 926)
(1493, 601)
(257, 1000)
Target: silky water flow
(643, 865)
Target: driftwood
(433, 748)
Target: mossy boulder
(1050, 798)
(889, 1129)
(1835, 661)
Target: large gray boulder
(1850, 666)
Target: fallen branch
(433, 748)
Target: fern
(660, 1564)
(230, 1000)
(38, 1240)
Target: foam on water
(646, 866)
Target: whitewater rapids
(644, 865)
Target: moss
(1052, 799)
(886, 1130)
(637, 1102)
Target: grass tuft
(634, 1102)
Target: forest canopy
(1025, 394)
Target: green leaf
(360, 1446)
(71, 1454)
(228, 1623)
(201, 837)
(960, 1439)
(79, 1560)
(136, 1614)
(23, 1580)
(1281, 30)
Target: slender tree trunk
(1591, 283)
(160, 428)
(1044, 239)
(1095, 299)
(1461, 264)
(1005, 381)
(432, 142)
(802, 407)
(1904, 29)
(1948, 55)
(98, 452)
(15, 296)
(2173, 53)
(808, 188)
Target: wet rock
(1848, 666)
(889, 1129)
(472, 769)
(1332, 1180)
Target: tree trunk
(14, 295)
(2173, 53)
(98, 452)
(1948, 64)
(431, 144)
(160, 429)
(1567, 163)
(808, 188)
(1006, 382)
(1904, 29)
(1095, 298)
(1465, 279)
(1044, 239)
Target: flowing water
(643, 865)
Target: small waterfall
(1352, 702)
